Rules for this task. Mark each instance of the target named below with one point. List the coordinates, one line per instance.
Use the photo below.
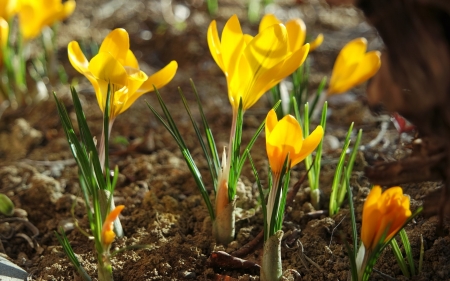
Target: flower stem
(271, 267)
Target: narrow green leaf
(408, 251)
(334, 206)
(67, 248)
(208, 158)
(209, 135)
(319, 92)
(261, 194)
(399, 257)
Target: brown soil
(164, 210)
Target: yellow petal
(268, 20)
(117, 44)
(296, 30)
(367, 68)
(287, 138)
(232, 44)
(105, 67)
(271, 122)
(68, 8)
(77, 58)
(309, 145)
(214, 44)
(4, 32)
(316, 42)
(267, 49)
(285, 68)
(131, 60)
(135, 79)
(159, 79)
(370, 213)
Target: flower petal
(268, 20)
(135, 79)
(271, 122)
(370, 214)
(309, 145)
(287, 138)
(105, 67)
(232, 44)
(4, 32)
(296, 30)
(77, 58)
(267, 49)
(159, 79)
(214, 45)
(316, 42)
(107, 233)
(117, 44)
(131, 60)
(271, 78)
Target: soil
(164, 209)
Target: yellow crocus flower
(116, 64)
(34, 15)
(296, 30)
(384, 214)
(253, 65)
(353, 66)
(285, 137)
(107, 234)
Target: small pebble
(187, 274)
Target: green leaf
(173, 130)
(335, 188)
(408, 251)
(399, 257)
(62, 238)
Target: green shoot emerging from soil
(97, 187)
(223, 213)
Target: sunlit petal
(232, 44)
(214, 45)
(296, 30)
(268, 20)
(117, 44)
(77, 58)
(160, 78)
(271, 122)
(285, 138)
(131, 61)
(105, 67)
(4, 31)
(309, 145)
